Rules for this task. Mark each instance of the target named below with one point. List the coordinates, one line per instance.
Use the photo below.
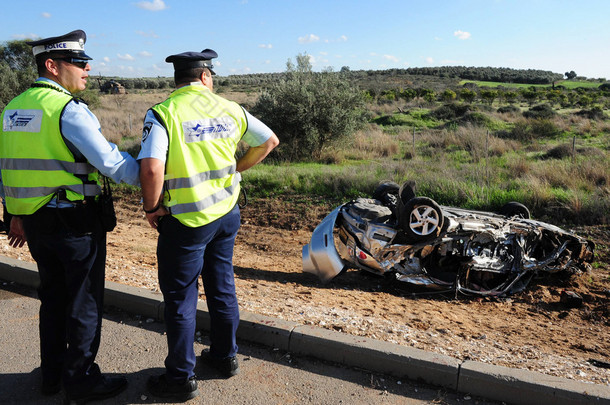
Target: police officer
(50, 148)
(190, 186)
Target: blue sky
(132, 38)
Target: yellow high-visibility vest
(201, 183)
(34, 158)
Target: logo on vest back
(22, 120)
(208, 129)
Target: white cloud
(145, 54)
(25, 36)
(429, 60)
(391, 58)
(106, 59)
(242, 71)
(461, 34)
(149, 34)
(342, 38)
(266, 46)
(154, 5)
(125, 56)
(309, 39)
(46, 15)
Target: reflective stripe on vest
(190, 182)
(207, 202)
(87, 190)
(78, 168)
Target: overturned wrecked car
(417, 241)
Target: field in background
(558, 166)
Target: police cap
(189, 60)
(71, 44)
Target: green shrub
(539, 112)
(558, 152)
(544, 129)
(450, 111)
(595, 113)
(475, 118)
(91, 97)
(509, 109)
(308, 111)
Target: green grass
(561, 191)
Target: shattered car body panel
(472, 252)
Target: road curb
(376, 355)
(527, 387)
(498, 383)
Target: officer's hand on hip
(153, 217)
(16, 235)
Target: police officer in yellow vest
(190, 186)
(51, 148)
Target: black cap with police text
(189, 60)
(71, 44)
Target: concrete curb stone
(498, 383)
(376, 355)
(527, 387)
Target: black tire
(515, 209)
(421, 218)
(407, 191)
(385, 188)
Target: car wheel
(385, 188)
(421, 218)
(515, 209)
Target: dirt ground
(530, 330)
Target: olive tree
(468, 95)
(489, 96)
(448, 95)
(308, 111)
(17, 70)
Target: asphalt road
(135, 347)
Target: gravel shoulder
(531, 330)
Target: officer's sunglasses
(81, 63)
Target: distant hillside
(434, 78)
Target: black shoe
(107, 387)
(228, 367)
(49, 387)
(159, 386)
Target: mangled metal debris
(420, 242)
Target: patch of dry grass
(121, 115)
(372, 142)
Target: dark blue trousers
(183, 254)
(71, 266)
